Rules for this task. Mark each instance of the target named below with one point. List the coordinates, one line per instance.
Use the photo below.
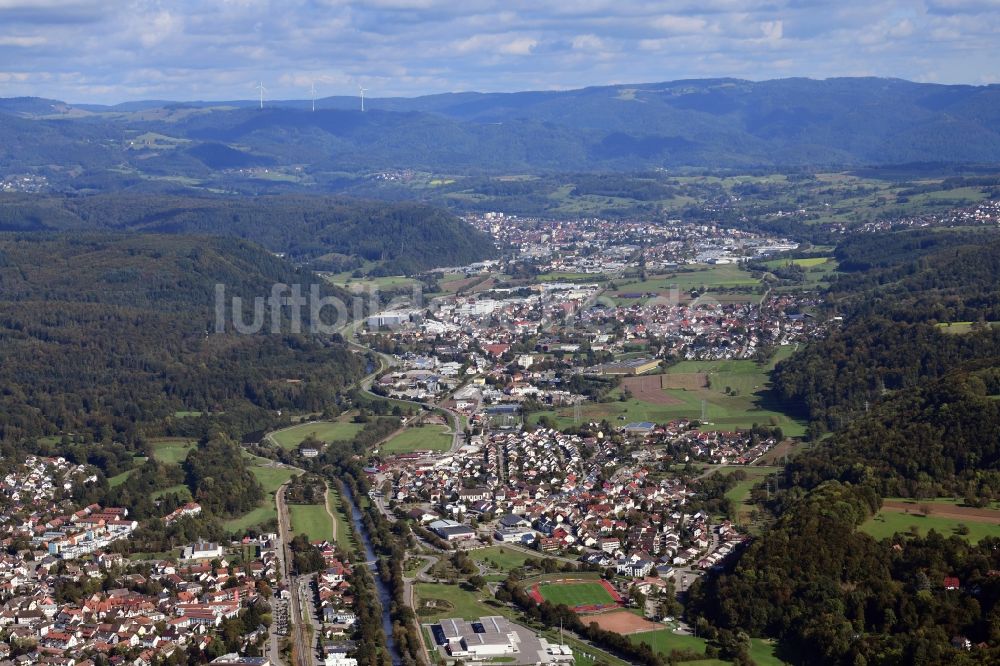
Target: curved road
(385, 362)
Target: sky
(109, 51)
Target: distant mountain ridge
(700, 123)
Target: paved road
(385, 362)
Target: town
(567, 406)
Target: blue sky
(118, 50)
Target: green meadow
(747, 402)
(885, 524)
(311, 520)
(324, 431)
(419, 438)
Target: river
(384, 594)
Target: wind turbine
(262, 89)
(363, 91)
(312, 89)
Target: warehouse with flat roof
(486, 637)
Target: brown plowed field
(647, 389)
(690, 381)
(774, 456)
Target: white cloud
(24, 42)
(588, 43)
(902, 29)
(679, 24)
(773, 30)
(158, 28)
(519, 46)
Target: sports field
(575, 594)
(503, 559)
(324, 431)
(664, 641)
(623, 622)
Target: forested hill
(113, 336)
(327, 233)
(710, 122)
(834, 596)
(831, 593)
(939, 439)
(917, 415)
(896, 311)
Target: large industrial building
(486, 637)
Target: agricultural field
(311, 520)
(119, 479)
(746, 402)
(324, 431)
(962, 327)
(663, 641)
(888, 522)
(808, 262)
(459, 282)
(180, 489)
(169, 451)
(385, 283)
(342, 523)
(764, 652)
(271, 477)
(563, 276)
(419, 438)
(701, 278)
